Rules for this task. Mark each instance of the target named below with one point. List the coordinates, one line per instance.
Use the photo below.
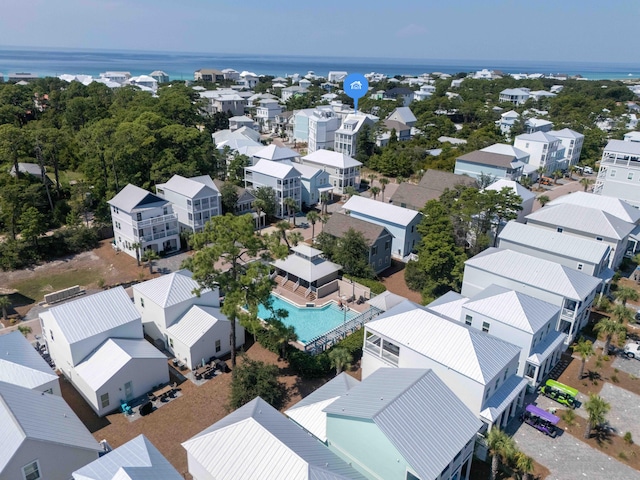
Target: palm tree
(283, 335)
(525, 182)
(371, 177)
(622, 314)
(584, 348)
(295, 238)
(572, 169)
(374, 191)
(260, 206)
(324, 199)
(625, 294)
(597, 410)
(500, 448)
(384, 181)
(24, 330)
(292, 206)
(543, 199)
(136, 246)
(556, 175)
(5, 305)
(313, 217)
(540, 171)
(586, 182)
(340, 359)
(350, 191)
(610, 327)
(524, 464)
(324, 219)
(149, 256)
(283, 227)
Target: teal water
(309, 323)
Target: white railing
(295, 287)
(307, 292)
(333, 336)
(171, 217)
(568, 313)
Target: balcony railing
(158, 235)
(568, 313)
(171, 217)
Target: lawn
(36, 288)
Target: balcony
(158, 235)
(171, 217)
(567, 313)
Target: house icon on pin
(357, 85)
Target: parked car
(632, 350)
(588, 170)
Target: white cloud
(411, 30)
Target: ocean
(54, 62)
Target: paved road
(569, 186)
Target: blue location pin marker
(355, 86)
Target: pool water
(309, 322)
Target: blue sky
(547, 30)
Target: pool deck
(301, 301)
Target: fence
(327, 340)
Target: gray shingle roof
(412, 400)
(139, 459)
(93, 314)
(29, 414)
(440, 180)
(413, 196)
(339, 224)
(488, 158)
(539, 273)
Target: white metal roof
(306, 250)
(170, 289)
(448, 305)
(29, 414)
(534, 271)
(93, 314)
(275, 153)
(521, 311)
(257, 441)
(611, 205)
(382, 211)
(504, 149)
(543, 349)
(205, 180)
(309, 412)
(189, 187)
(107, 360)
(138, 459)
(518, 189)
(514, 91)
(197, 321)
(470, 352)
(309, 270)
(20, 364)
(406, 400)
(131, 197)
(566, 133)
(537, 137)
(620, 146)
(274, 169)
(503, 398)
(593, 221)
(307, 171)
(386, 300)
(546, 240)
(331, 159)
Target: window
(115, 209)
(189, 203)
(218, 348)
(412, 228)
(104, 400)
(165, 210)
(486, 395)
(138, 216)
(559, 229)
(468, 319)
(613, 173)
(31, 471)
(599, 239)
(387, 245)
(171, 342)
(580, 266)
(630, 176)
(51, 334)
(142, 302)
(49, 390)
(485, 327)
(497, 383)
(374, 250)
(506, 373)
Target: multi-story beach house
(344, 171)
(545, 150)
(619, 173)
(323, 124)
(142, 220)
(282, 177)
(347, 135)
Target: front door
(128, 390)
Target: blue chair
(126, 409)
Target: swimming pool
(309, 322)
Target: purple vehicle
(540, 419)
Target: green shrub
(375, 286)
(622, 456)
(615, 379)
(309, 366)
(628, 438)
(569, 417)
(353, 344)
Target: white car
(588, 170)
(632, 350)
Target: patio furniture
(162, 392)
(146, 409)
(126, 409)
